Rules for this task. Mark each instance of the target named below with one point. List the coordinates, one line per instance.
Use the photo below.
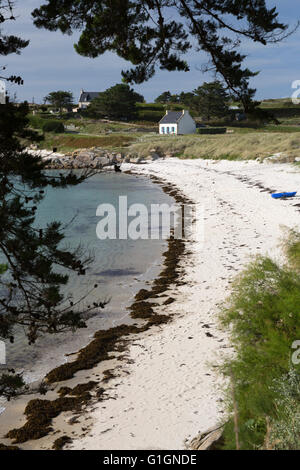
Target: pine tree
(155, 34)
(117, 102)
(36, 267)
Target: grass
(230, 146)
(246, 140)
(264, 316)
(69, 142)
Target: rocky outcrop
(95, 158)
(82, 158)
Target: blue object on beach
(280, 195)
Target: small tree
(210, 100)
(60, 99)
(11, 384)
(117, 102)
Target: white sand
(169, 390)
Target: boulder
(155, 156)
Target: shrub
(264, 314)
(11, 385)
(54, 126)
(36, 122)
(285, 431)
(211, 130)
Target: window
(168, 130)
(173, 130)
(162, 130)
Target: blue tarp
(279, 195)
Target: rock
(85, 156)
(72, 420)
(206, 440)
(155, 156)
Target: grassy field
(242, 144)
(246, 140)
(230, 146)
(69, 142)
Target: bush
(211, 130)
(264, 315)
(54, 126)
(11, 385)
(37, 122)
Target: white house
(177, 122)
(86, 97)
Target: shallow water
(120, 267)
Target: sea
(120, 267)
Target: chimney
(167, 112)
(183, 111)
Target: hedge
(211, 130)
(54, 126)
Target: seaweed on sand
(40, 413)
(61, 442)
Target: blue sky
(50, 62)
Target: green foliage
(3, 268)
(285, 431)
(37, 266)
(292, 248)
(14, 126)
(164, 98)
(9, 44)
(211, 130)
(36, 122)
(54, 126)
(210, 100)
(11, 385)
(31, 294)
(153, 112)
(145, 34)
(60, 99)
(118, 102)
(264, 315)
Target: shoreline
(113, 340)
(165, 390)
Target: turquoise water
(120, 267)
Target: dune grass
(264, 315)
(233, 146)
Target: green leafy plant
(264, 316)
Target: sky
(50, 62)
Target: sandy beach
(170, 391)
(167, 389)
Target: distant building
(2, 92)
(86, 97)
(177, 123)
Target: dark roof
(171, 117)
(87, 96)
